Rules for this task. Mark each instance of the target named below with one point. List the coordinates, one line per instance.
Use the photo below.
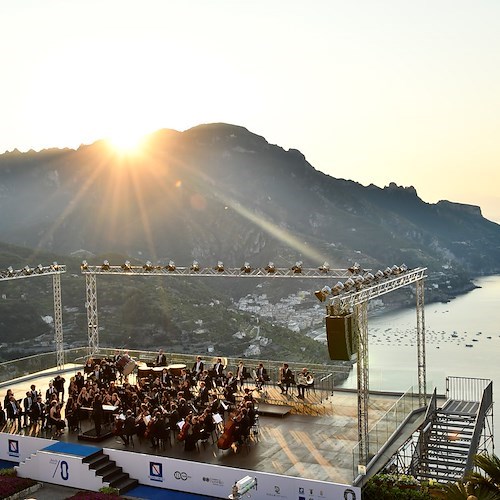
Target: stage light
(379, 275)
(337, 288)
(395, 270)
(323, 293)
(55, 266)
(403, 268)
(39, 269)
(10, 271)
(270, 268)
(355, 269)
(368, 277)
(246, 268)
(297, 268)
(349, 283)
(126, 266)
(387, 271)
(105, 265)
(84, 265)
(171, 266)
(324, 268)
(148, 266)
(219, 267)
(27, 270)
(195, 267)
(359, 280)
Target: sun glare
(126, 143)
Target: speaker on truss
(341, 337)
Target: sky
(373, 91)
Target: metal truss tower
(55, 270)
(355, 300)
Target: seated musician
(165, 379)
(161, 359)
(286, 378)
(205, 377)
(302, 382)
(197, 369)
(230, 386)
(202, 398)
(241, 374)
(261, 376)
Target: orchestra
(190, 404)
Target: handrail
(486, 402)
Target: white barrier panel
(18, 448)
(214, 480)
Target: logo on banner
(181, 475)
(13, 448)
(277, 493)
(215, 481)
(156, 471)
(349, 495)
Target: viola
(184, 431)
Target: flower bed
(11, 484)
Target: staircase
(449, 441)
(110, 472)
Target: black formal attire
(97, 415)
(27, 404)
(197, 369)
(161, 360)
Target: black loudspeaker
(341, 337)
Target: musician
(59, 386)
(97, 413)
(241, 374)
(161, 359)
(197, 369)
(286, 378)
(128, 428)
(28, 402)
(79, 381)
(261, 376)
(165, 380)
(205, 377)
(50, 393)
(202, 398)
(71, 414)
(218, 371)
(13, 409)
(303, 380)
(116, 356)
(230, 386)
(38, 411)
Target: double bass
(227, 437)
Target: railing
(380, 433)
(466, 388)
(325, 376)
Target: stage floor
(315, 444)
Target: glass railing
(380, 433)
(326, 377)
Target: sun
(126, 142)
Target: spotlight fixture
(359, 280)
(379, 275)
(55, 266)
(171, 266)
(387, 271)
(126, 266)
(323, 293)
(246, 268)
(337, 288)
(324, 268)
(148, 266)
(297, 267)
(368, 277)
(105, 266)
(27, 270)
(395, 270)
(195, 267)
(84, 265)
(355, 269)
(270, 268)
(349, 283)
(10, 271)
(403, 268)
(39, 269)
(219, 267)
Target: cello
(227, 437)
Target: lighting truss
(55, 270)
(227, 272)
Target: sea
(462, 339)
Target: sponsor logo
(349, 495)
(277, 490)
(181, 475)
(301, 490)
(13, 448)
(156, 471)
(215, 481)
